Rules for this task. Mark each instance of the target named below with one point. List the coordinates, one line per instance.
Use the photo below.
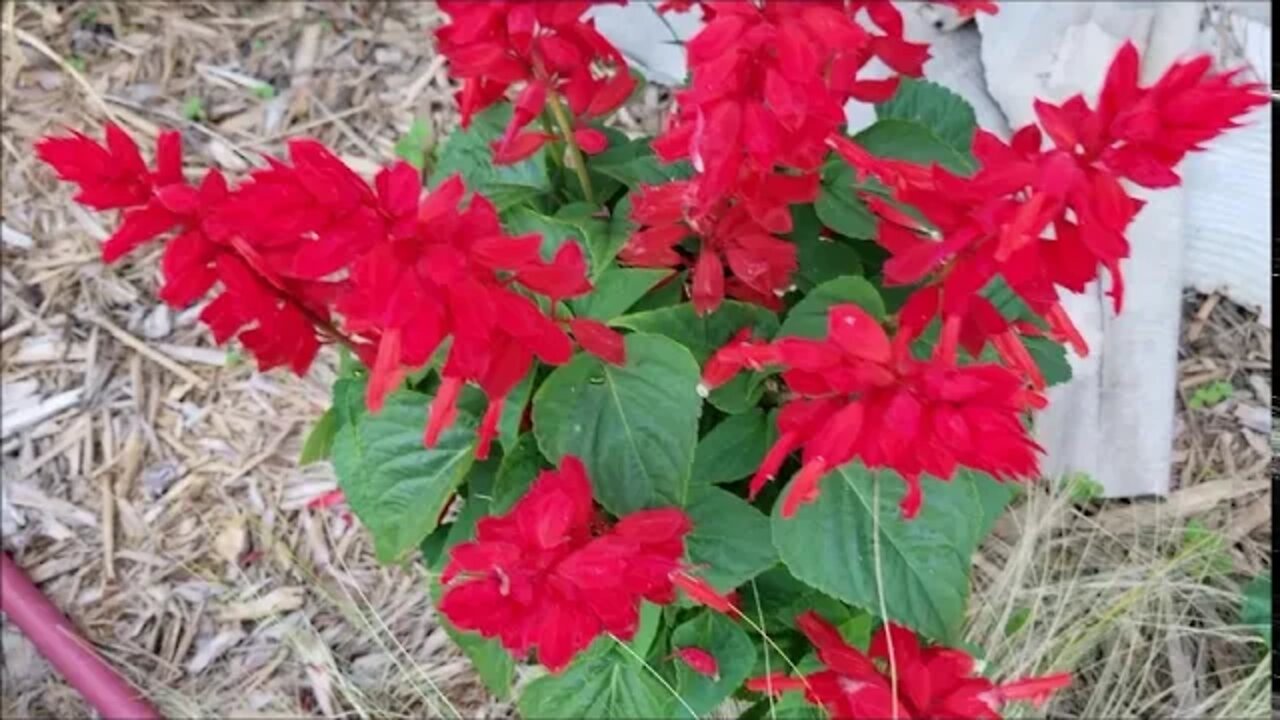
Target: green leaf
(193, 108)
(467, 152)
(605, 247)
(734, 653)
(778, 597)
(319, 442)
(820, 258)
(664, 295)
(701, 334)
(907, 140)
(993, 498)
(832, 544)
(632, 163)
(603, 682)
(943, 112)
(1050, 357)
(647, 631)
(809, 316)
(513, 411)
(635, 427)
(1255, 608)
(729, 537)
(520, 466)
(412, 147)
(839, 207)
(733, 449)
(1210, 394)
(348, 400)
(616, 290)
(397, 487)
(740, 394)
(554, 231)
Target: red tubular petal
(1064, 328)
(911, 501)
(520, 147)
(591, 140)
(489, 426)
(774, 683)
(804, 487)
(708, 282)
(444, 410)
(1037, 689)
(701, 592)
(700, 660)
(387, 371)
(600, 340)
(786, 443)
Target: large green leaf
(605, 681)
(909, 140)
(775, 597)
(702, 334)
(943, 112)
(467, 153)
(733, 449)
(605, 247)
(839, 207)
(397, 487)
(616, 290)
(809, 316)
(820, 258)
(833, 545)
(734, 653)
(635, 427)
(555, 231)
(520, 466)
(729, 537)
(632, 163)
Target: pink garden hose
(57, 639)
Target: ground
(151, 483)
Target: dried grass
(150, 483)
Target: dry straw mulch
(150, 482)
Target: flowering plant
(684, 418)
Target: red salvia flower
(994, 223)
(539, 578)
(899, 677)
(730, 242)
(858, 395)
(547, 46)
(453, 277)
(769, 82)
(277, 313)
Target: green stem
(566, 129)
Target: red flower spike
(759, 264)
(226, 235)
(701, 661)
(547, 577)
(544, 47)
(857, 395)
(993, 223)
(914, 681)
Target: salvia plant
(720, 414)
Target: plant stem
(575, 153)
